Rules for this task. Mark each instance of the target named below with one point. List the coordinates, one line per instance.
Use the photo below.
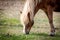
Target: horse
(30, 9)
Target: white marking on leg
(52, 33)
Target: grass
(39, 31)
(32, 36)
(4, 20)
(9, 21)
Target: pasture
(39, 31)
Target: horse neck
(37, 6)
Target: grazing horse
(30, 9)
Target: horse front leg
(49, 13)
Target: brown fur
(32, 6)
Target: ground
(39, 31)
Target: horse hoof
(52, 35)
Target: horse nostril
(21, 12)
(27, 33)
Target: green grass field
(39, 31)
(32, 36)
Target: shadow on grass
(33, 34)
(57, 35)
(44, 34)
